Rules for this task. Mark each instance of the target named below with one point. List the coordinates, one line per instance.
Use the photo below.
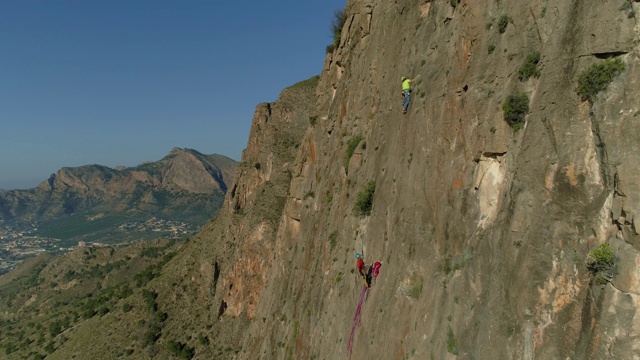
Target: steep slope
(48, 296)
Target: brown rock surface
(492, 226)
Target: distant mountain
(2, 190)
(184, 186)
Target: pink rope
(357, 319)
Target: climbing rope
(357, 319)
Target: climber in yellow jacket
(406, 93)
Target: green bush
(149, 297)
(415, 286)
(454, 3)
(339, 19)
(515, 108)
(601, 259)
(503, 21)
(313, 120)
(627, 7)
(180, 350)
(152, 334)
(146, 275)
(161, 316)
(103, 311)
(329, 198)
(364, 199)
(491, 48)
(351, 147)
(597, 78)
(452, 343)
(310, 83)
(333, 239)
(151, 252)
(55, 328)
(529, 67)
(329, 49)
(203, 339)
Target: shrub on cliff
(351, 147)
(310, 83)
(530, 67)
(452, 343)
(601, 261)
(597, 77)
(503, 21)
(364, 199)
(515, 108)
(180, 350)
(627, 7)
(339, 18)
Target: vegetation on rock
(515, 108)
(529, 67)
(601, 261)
(339, 19)
(627, 7)
(351, 147)
(364, 199)
(452, 343)
(503, 21)
(310, 83)
(180, 350)
(597, 78)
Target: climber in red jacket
(360, 265)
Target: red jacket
(360, 264)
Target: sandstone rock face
(483, 231)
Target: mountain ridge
(185, 185)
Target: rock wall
(483, 231)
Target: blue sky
(121, 82)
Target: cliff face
(484, 232)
